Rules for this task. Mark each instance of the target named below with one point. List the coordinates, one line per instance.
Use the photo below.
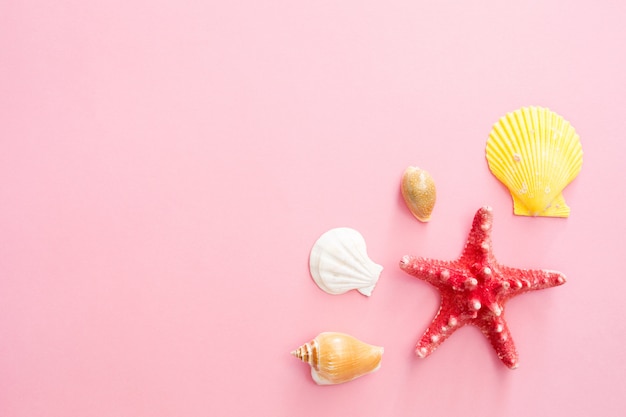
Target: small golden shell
(535, 153)
(419, 193)
(337, 357)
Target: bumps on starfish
(474, 290)
(535, 153)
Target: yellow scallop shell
(535, 153)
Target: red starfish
(474, 289)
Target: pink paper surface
(166, 166)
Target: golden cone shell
(338, 357)
(535, 153)
(419, 192)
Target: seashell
(418, 190)
(339, 263)
(535, 153)
(337, 357)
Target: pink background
(166, 166)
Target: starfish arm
(523, 280)
(499, 336)
(446, 322)
(478, 246)
(441, 274)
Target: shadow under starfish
(474, 290)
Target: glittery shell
(419, 192)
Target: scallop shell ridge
(535, 153)
(339, 263)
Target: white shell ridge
(339, 263)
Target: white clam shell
(339, 263)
